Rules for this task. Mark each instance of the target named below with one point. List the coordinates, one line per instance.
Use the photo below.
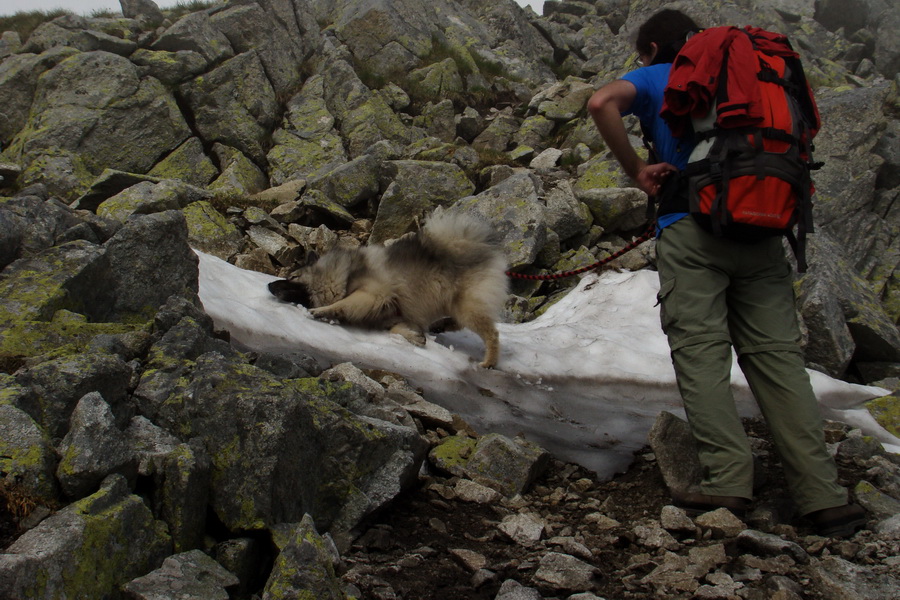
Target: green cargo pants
(717, 293)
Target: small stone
(471, 491)
(469, 559)
(522, 529)
(437, 525)
(721, 523)
(601, 521)
(654, 536)
(766, 544)
(673, 518)
(565, 572)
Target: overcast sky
(86, 7)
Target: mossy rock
(209, 231)
(453, 453)
(49, 340)
(598, 174)
(188, 162)
(886, 411)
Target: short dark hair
(668, 29)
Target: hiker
(717, 293)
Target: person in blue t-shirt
(717, 294)
(640, 93)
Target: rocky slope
(139, 450)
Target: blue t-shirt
(650, 83)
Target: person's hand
(651, 177)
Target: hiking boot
(695, 504)
(840, 521)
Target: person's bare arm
(606, 107)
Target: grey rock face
(274, 458)
(281, 50)
(521, 222)
(234, 104)
(92, 448)
(55, 387)
(676, 451)
(194, 32)
(18, 82)
(11, 230)
(304, 567)
(27, 454)
(503, 464)
(307, 141)
(416, 188)
(96, 104)
(90, 547)
(190, 574)
(146, 11)
(144, 277)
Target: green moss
(454, 451)
(864, 488)
(184, 535)
(229, 458)
(827, 73)
(67, 461)
(121, 206)
(886, 411)
(15, 459)
(574, 259)
(239, 175)
(521, 154)
(144, 56)
(36, 290)
(103, 561)
(457, 50)
(9, 391)
(204, 222)
(65, 173)
(436, 82)
(371, 122)
(187, 163)
(99, 531)
(891, 300)
(53, 340)
(537, 126)
(601, 174)
(317, 387)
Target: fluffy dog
(449, 268)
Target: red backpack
(743, 97)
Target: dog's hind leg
(485, 328)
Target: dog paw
(413, 337)
(323, 314)
(411, 334)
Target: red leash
(563, 274)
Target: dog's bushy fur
(449, 268)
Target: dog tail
(458, 234)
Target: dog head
(321, 282)
(290, 291)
